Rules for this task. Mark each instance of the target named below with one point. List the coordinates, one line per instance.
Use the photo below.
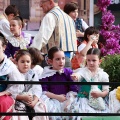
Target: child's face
(15, 28)
(74, 14)
(58, 62)
(94, 38)
(24, 63)
(2, 48)
(93, 62)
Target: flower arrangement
(109, 31)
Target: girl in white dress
(36, 60)
(8, 72)
(91, 73)
(31, 94)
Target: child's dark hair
(20, 20)
(89, 31)
(3, 39)
(70, 7)
(12, 9)
(20, 53)
(35, 55)
(94, 51)
(52, 51)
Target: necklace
(19, 37)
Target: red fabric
(77, 60)
(78, 43)
(5, 103)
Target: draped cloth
(6, 106)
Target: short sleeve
(84, 25)
(81, 47)
(78, 73)
(38, 69)
(45, 87)
(68, 73)
(105, 78)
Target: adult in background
(57, 29)
(71, 9)
(10, 12)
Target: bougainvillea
(103, 4)
(109, 31)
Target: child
(55, 95)
(114, 100)
(91, 37)
(36, 60)
(91, 73)
(8, 72)
(71, 9)
(18, 40)
(10, 12)
(31, 94)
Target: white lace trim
(47, 72)
(22, 43)
(6, 67)
(86, 73)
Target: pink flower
(103, 4)
(110, 32)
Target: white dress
(53, 105)
(114, 103)
(80, 105)
(36, 90)
(10, 69)
(38, 69)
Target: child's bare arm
(75, 77)
(4, 93)
(97, 94)
(26, 98)
(60, 98)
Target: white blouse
(100, 76)
(39, 70)
(9, 68)
(32, 88)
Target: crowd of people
(68, 47)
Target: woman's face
(74, 14)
